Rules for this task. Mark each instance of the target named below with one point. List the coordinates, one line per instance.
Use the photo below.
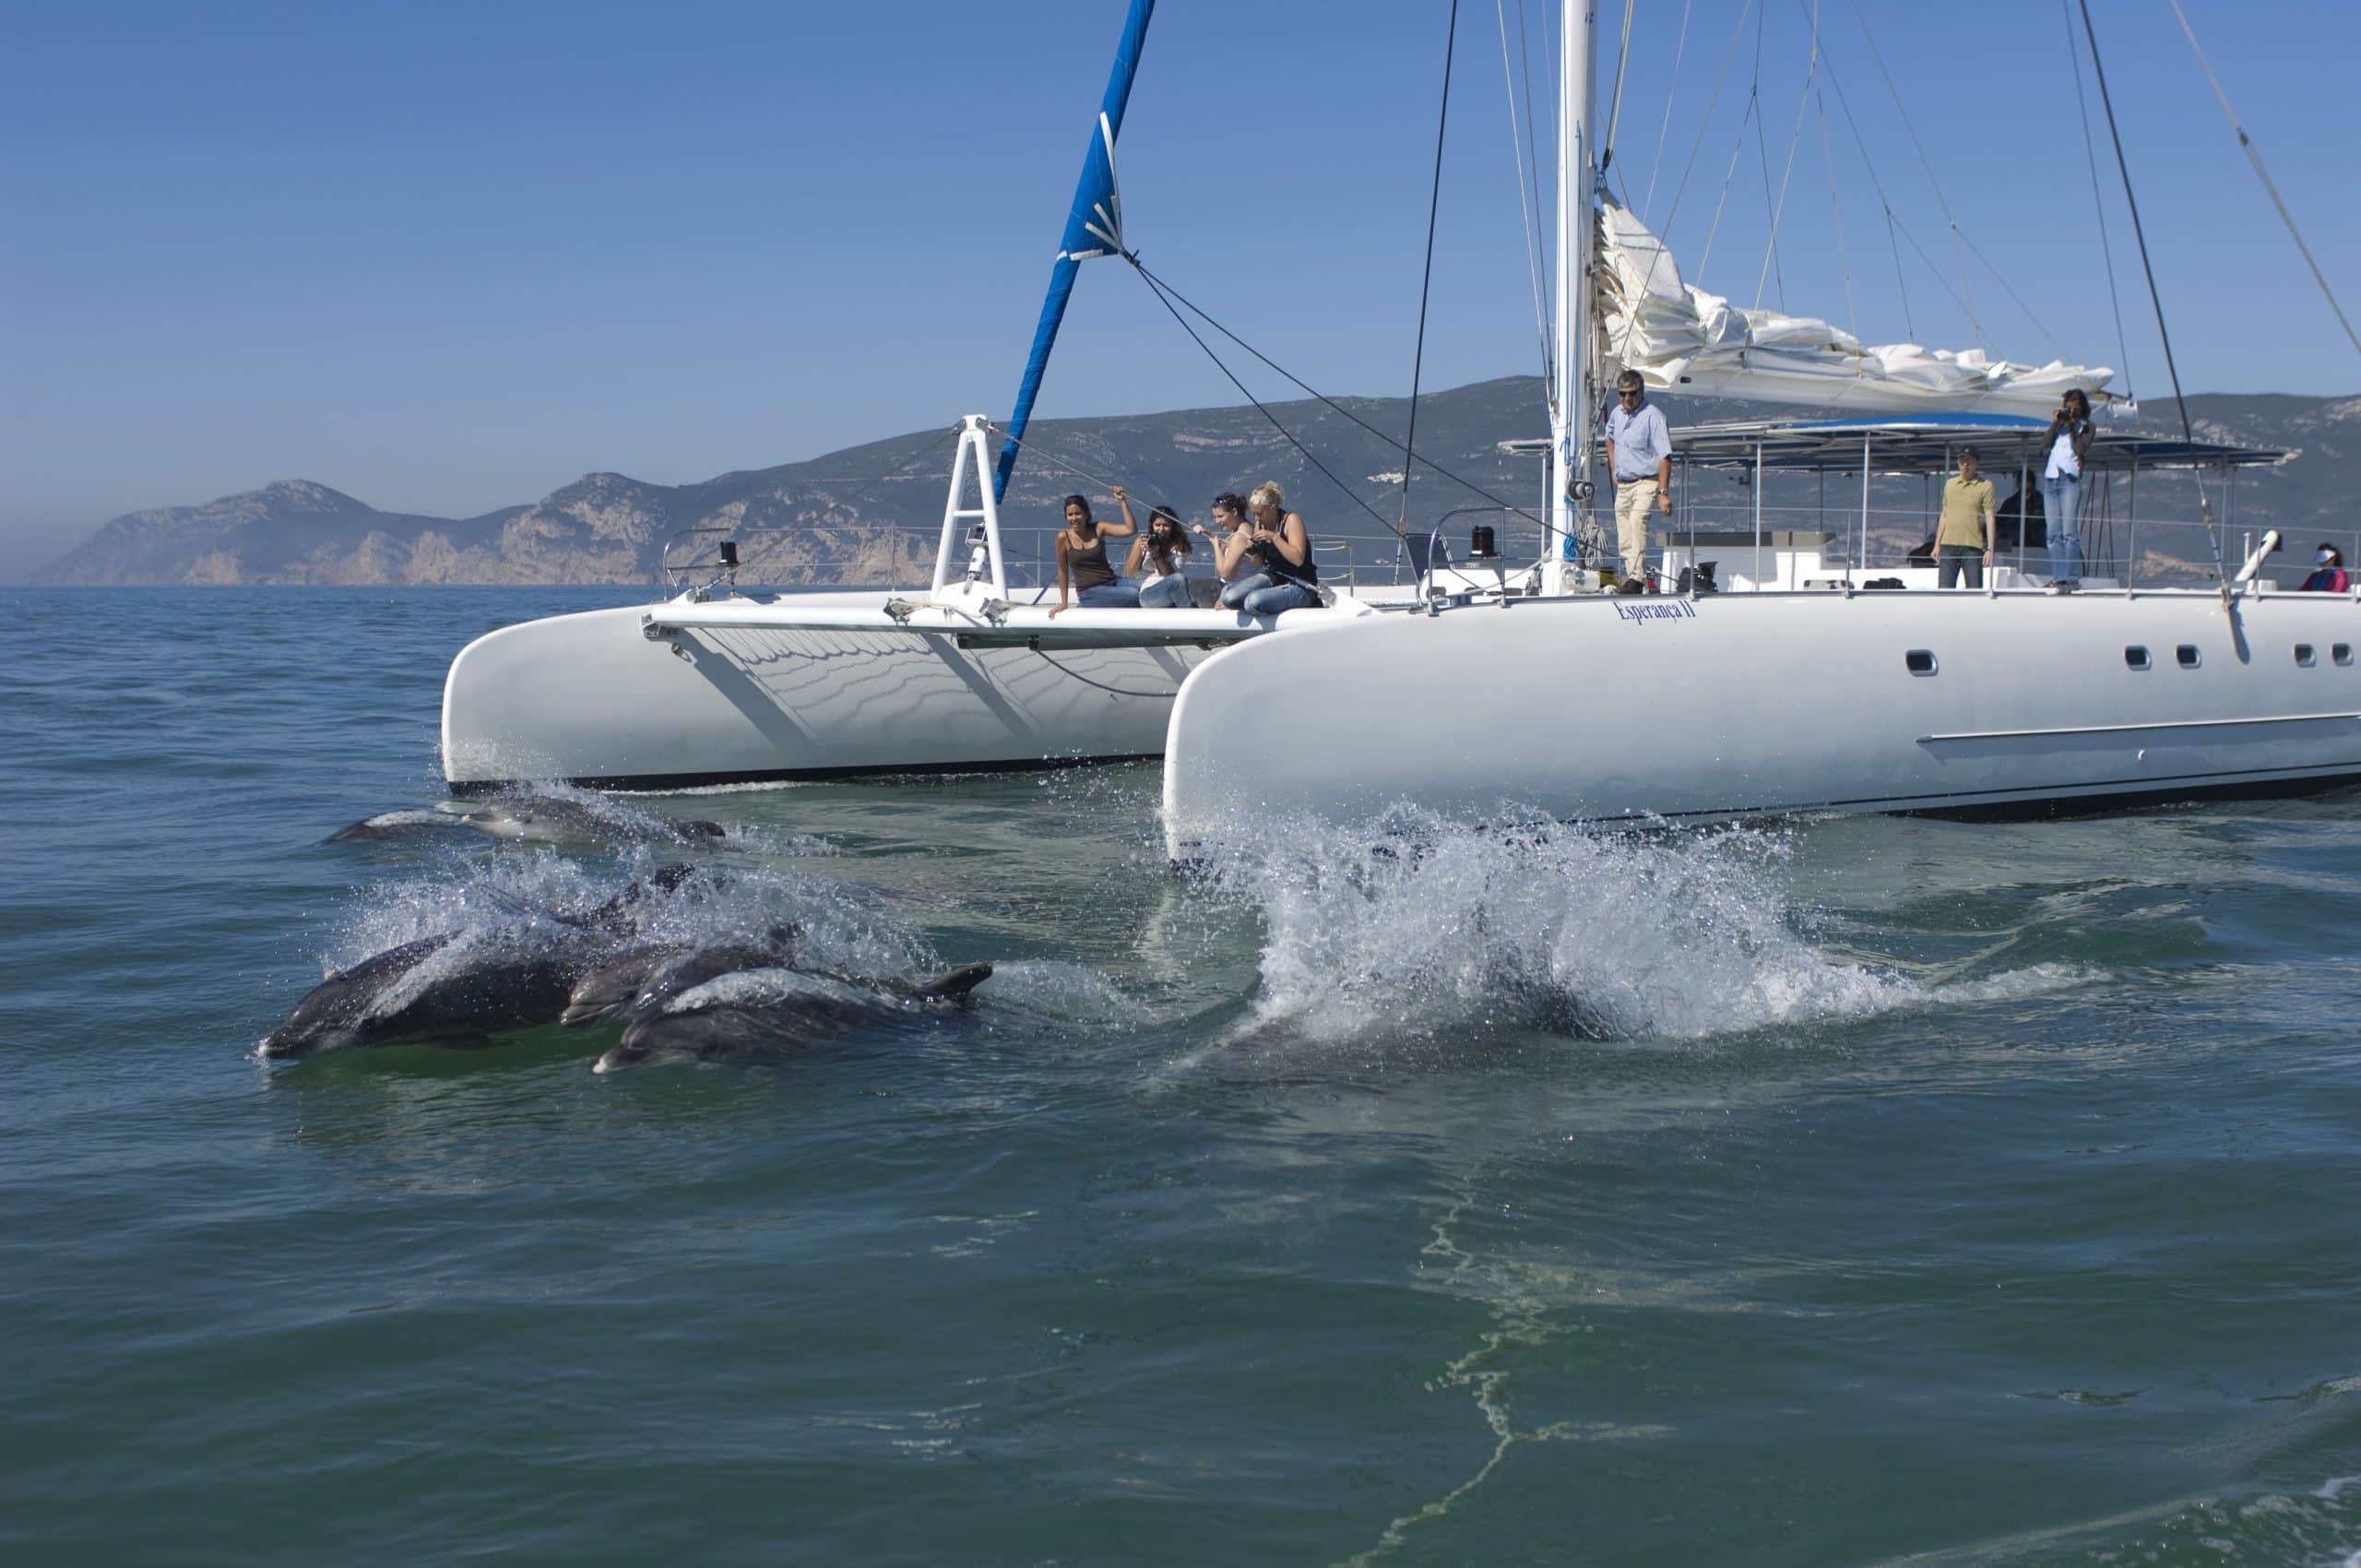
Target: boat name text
(1658, 609)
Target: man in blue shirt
(1638, 453)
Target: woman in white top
(2062, 486)
(1157, 557)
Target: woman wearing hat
(2328, 572)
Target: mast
(1094, 228)
(1574, 393)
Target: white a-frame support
(968, 558)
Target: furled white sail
(1683, 339)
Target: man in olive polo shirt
(1966, 544)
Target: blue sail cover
(1094, 227)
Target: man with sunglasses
(1638, 453)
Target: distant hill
(870, 513)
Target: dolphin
(377, 1003)
(555, 819)
(730, 1029)
(489, 983)
(639, 981)
(398, 824)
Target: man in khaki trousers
(1638, 453)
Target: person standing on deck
(1638, 453)
(2067, 442)
(1969, 538)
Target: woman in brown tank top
(1082, 559)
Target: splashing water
(1418, 927)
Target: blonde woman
(1286, 577)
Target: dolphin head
(501, 821)
(296, 1039)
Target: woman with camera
(1286, 578)
(2068, 441)
(1082, 558)
(1157, 559)
(1232, 543)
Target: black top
(1271, 559)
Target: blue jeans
(1263, 594)
(2062, 499)
(1165, 593)
(1117, 595)
(1956, 559)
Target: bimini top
(1923, 442)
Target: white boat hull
(1750, 704)
(815, 685)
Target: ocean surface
(1938, 1192)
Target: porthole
(2304, 655)
(2135, 657)
(2186, 654)
(2341, 652)
(1921, 663)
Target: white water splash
(1420, 928)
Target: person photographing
(1286, 577)
(1157, 560)
(2068, 442)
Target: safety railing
(2128, 550)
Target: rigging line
(1697, 143)
(1933, 270)
(2039, 326)
(2254, 156)
(1900, 281)
(1157, 289)
(1531, 251)
(1051, 458)
(1803, 102)
(1892, 223)
(1837, 211)
(1426, 278)
(1655, 165)
(1330, 403)
(1762, 151)
(1541, 239)
(1615, 104)
(2180, 401)
(1078, 675)
(1967, 293)
(1729, 177)
(2098, 198)
(863, 493)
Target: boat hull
(1756, 704)
(684, 694)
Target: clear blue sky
(447, 257)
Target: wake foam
(1417, 927)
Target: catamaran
(1787, 674)
(1790, 681)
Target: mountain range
(871, 514)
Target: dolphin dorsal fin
(956, 984)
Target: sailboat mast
(1575, 392)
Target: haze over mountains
(870, 514)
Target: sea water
(1852, 1191)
